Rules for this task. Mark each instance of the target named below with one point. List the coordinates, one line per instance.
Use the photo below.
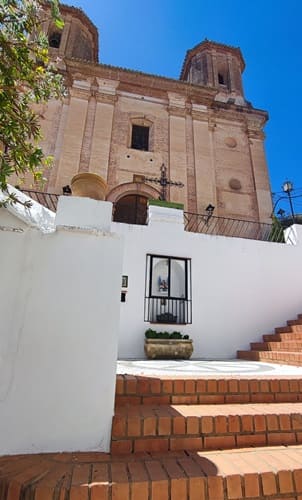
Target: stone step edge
(135, 390)
(169, 476)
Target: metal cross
(164, 182)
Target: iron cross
(164, 182)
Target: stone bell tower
(218, 66)
(78, 39)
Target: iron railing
(197, 223)
(48, 200)
(237, 228)
(168, 310)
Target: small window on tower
(140, 137)
(221, 79)
(55, 40)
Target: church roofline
(209, 92)
(209, 44)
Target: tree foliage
(26, 78)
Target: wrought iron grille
(168, 310)
(223, 226)
(48, 200)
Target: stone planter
(168, 348)
(89, 185)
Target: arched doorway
(130, 201)
(131, 209)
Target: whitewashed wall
(240, 288)
(60, 301)
(59, 313)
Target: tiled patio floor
(206, 368)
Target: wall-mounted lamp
(66, 190)
(209, 210)
(287, 187)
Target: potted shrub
(165, 345)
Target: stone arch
(131, 202)
(128, 188)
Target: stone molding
(139, 188)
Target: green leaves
(26, 78)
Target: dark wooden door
(131, 209)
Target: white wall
(60, 302)
(59, 310)
(240, 288)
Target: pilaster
(72, 140)
(204, 157)
(177, 146)
(260, 173)
(102, 132)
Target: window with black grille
(168, 290)
(140, 137)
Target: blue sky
(154, 36)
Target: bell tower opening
(54, 40)
(221, 80)
(215, 65)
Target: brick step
(289, 329)
(281, 357)
(271, 473)
(282, 337)
(205, 427)
(293, 322)
(290, 345)
(137, 390)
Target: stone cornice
(106, 98)
(141, 82)
(161, 87)
(176, 111)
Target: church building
(196, 137)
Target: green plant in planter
(176, 335)
(150, 334)
(153, 334)
(165, 345)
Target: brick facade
(205, 132)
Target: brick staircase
(248, 450)
(161, 415)
(224, 438)
(284, 346)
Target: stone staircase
(284, 346)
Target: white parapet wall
(241, 288)
(59, 310)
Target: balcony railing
(223, 226)
(168, 310)
(197, 223)
(48, 200)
